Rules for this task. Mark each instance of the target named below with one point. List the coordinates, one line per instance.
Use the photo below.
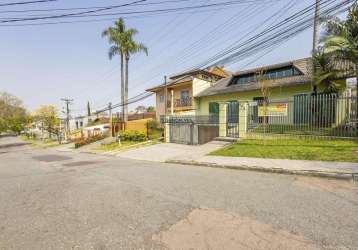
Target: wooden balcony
(182, 104)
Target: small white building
(96, 130)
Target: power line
(88, 8)
(71, 14)
(165, 10)
(27, 2)
(237, 43)
(293, 29)
(279, 29)
(284, 34)
(113, 18)
(213, 35)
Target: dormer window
(270, 74)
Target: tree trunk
(126, 90)
(356, 97)
(122, 86)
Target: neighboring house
(286, 80)
(180, 90)
(80, 122)
(96, 130)
(235, 106)
(290, 87)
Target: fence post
(243, 111)
(167, 129)
(223, 119)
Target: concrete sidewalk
(339, 170)
(164, 152)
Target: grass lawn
(47, 143)
(321, 150)
(125, 145)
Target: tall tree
(88, 109)
(326, 73)
(13, 116)
(47, 116)
(341, 39)
(124, 45)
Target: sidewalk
(339, 170)
(164, 152)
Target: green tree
(341, 39)
(123, 44)
(140, 109)
(47, 116)
(326, 72)
(150, 109)
(13, 116)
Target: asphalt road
(63, 200)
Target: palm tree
(123, 45)
(326, 73)
(341, 40)
(130, 47)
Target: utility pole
(165, 96)
(110, 118)
(316, 32)
(165, 107)
(67, 126)
(316, 27)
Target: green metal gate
(232, 128)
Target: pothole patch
(51, 158)
(212, 229)
(11, 145)
(79, 163)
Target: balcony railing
(183, 102)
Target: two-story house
(176, 97)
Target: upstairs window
(270, 74)
(184, 95)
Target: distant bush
(133, 136)
(153, 124)
(154, 130)
(85, 141)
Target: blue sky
(42, 64)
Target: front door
(233, 119)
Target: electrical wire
(71, 14)
(155, 11)
(27, 2)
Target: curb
(313, 173)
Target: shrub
(154, 130)
(85, 141)
(152, 124)
(133, 136)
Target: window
(213, 108)
(161, 98)
(184, 95)
(270, 74)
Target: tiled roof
(188, 76)
(171, 83)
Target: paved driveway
(64, 200)
(170, 151)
